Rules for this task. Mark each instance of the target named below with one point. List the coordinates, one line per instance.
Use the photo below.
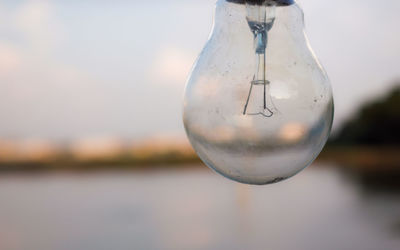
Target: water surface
(194, 209)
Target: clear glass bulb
(258, 106)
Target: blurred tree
(376, 123)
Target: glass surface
(258, 106)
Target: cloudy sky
(73, 69)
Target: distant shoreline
(359, 158)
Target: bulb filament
(260, 19)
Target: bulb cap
(260, 2)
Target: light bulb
(258, 106)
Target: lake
(193, 208)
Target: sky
(76, 69)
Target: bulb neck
(262, 2)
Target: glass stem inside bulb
(260, 19)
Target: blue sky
(73, 69)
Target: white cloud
(172, 66)
(10, 59)
(33, 15)
(37, 25)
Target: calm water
(318, 209)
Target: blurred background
(93, 153)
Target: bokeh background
(93, 153)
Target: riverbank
(360, 158)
